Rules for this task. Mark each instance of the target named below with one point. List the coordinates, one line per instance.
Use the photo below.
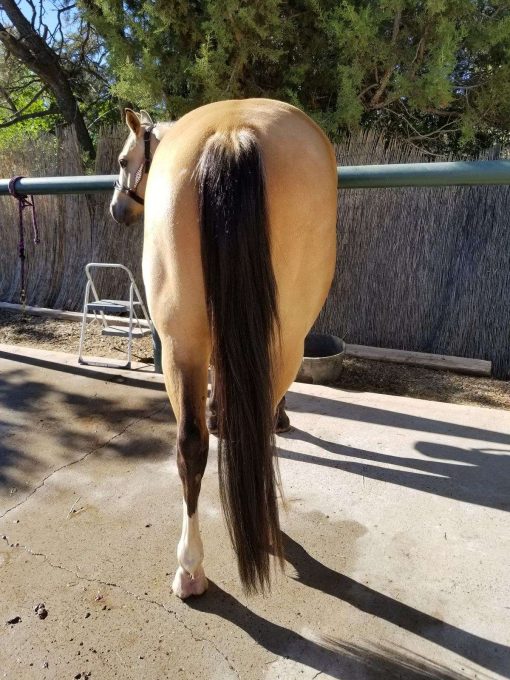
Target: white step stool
(136, 327)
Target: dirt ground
(64, 336)
(358, 375)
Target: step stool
(103, 310)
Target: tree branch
(39, 58)
(28, 116)
(442, 113)
(34, 13)
(34, 99)
(29, 40)
(8, 99)
(388, 73)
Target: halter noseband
(143, 169)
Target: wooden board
(62, 314)
(399, 356)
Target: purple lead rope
(23, 202)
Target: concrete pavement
(396, 523)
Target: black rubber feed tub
(323, 359)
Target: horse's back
(301, 189)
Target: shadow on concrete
(312, 573)
(77, 421)
(478, 476)
(85, 371)
(327, 655)
(369, 414)
(11, 458)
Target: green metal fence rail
(455, 173)
(79, 184)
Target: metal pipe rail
(454, 173)
(77, 184)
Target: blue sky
(50, 16)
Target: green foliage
(31, 95)
(436, 72)
(31, 129)
(21, 92)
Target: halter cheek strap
(143, 169)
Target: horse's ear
(132, 120)
(145, 118)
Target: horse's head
(134, 160)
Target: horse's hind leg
(187, 387)
(282, 422)
(212, 417)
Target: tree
(24, 100)
(49, 73)
(436, 72)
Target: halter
(143, 169)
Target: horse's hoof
(212, 424)
(185, 585)
(282, 424)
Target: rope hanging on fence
(23, 202)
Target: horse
(239, 200)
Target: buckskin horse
(238, 257)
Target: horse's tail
(241, 296)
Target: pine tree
(436, 72)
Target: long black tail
(243, 314)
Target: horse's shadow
(341, 659)
(475, 475)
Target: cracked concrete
(128, 593)
(79, 460)
(397, 539)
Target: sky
(50, 15)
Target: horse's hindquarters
(302, 202)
